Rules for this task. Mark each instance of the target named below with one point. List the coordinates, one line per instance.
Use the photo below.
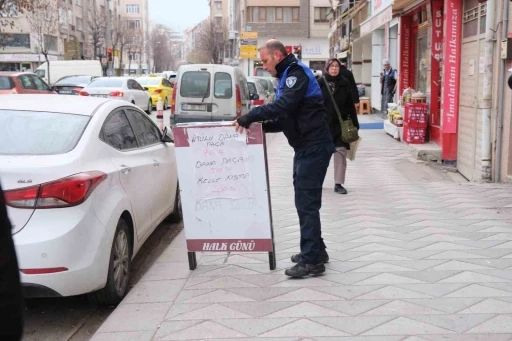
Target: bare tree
(134, 44)
(12, 8)
(44, 26)
(119, 37)
(161, 49)
(97, 25)
(211, 38)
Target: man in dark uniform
(298, 111)
(11, 310)
(350, 77)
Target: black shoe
(324, 257)
(301, 270)
(340, 190)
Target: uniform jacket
(343, 97)
(298, 110)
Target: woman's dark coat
(343, 97)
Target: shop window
(12, 40)
(423, 59)
(317, 65)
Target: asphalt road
(74, 318)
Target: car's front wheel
(118, 269)
(177, 212)
(150, 107)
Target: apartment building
(72, 40)
(136, 58)
(301, 23)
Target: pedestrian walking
(299, 113)
(388, 82)
(333, 83)
(345, 72)
(11, 305)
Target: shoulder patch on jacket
(290, 81)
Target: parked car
(270, 85)
(157, 87)
(62, 68)
(209, 92)
(125, 88)
(72, 85)
(86, 180)
(259, 95)
(23, 83)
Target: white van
(62, 68)
(209, 92)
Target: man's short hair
(274, 45)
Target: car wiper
(206, 92)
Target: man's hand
(242, 122)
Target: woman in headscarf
(341, 92)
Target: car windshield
(106, 83)
(39, 133)
(74, 80)
(149, 81)
(6, 83)
(40, 73)
(195, 84)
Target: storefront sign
(379, 5)
(377, 21)
(24, 57)
(437, 48)
(405, 53)
(451, 64)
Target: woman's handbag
(349, 132)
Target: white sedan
(87, 180)
(125, 88)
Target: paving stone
(447, 305)
(124, 336)
(135, 317)
(457, 323)
(201, 330)
(259, 309)
(254, 327)
(498, 324)
(489, 306)
(352, 325)
(303, 328)
(406, 326)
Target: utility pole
(110, 72)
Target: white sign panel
(224, 190)
(376, 21)
(380, 5)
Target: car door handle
(156, 163)
(125, 169)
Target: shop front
(17, 62)
(430, 42)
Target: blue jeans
(309, 168)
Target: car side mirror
(255, 97)
(168, 136)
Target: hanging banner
(451, 64)
(405, 54)
(437, 48)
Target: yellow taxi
(157, 87)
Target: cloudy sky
(178, 17)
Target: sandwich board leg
(272, 258)
(192, 261)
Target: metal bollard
(160, 113)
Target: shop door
(470, 124)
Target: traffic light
(109, 54)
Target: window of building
(218, 21)
(273, 14)
(218, 5)
(134, 56)
(51, 43)
(133, 9)
(134, 24)
(78, 2)
(321, 14)
(474, 18)
(14, 40)
(79, 24)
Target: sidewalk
(411, 259)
